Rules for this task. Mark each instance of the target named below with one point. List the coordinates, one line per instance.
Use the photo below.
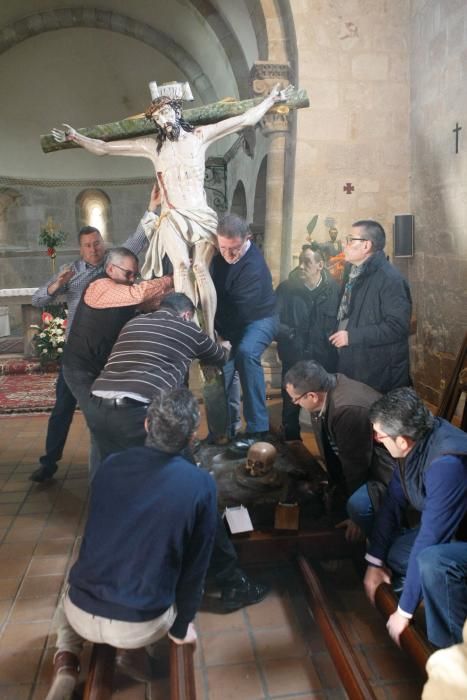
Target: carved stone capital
(263, 77)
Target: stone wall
(353, 61)
(438, 272)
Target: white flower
(60, 350)
(44, 351)
(41, 335)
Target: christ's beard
(174, 133)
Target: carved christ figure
(186, 225)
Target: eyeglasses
(129, 274)
(349, 239)
(298, 398)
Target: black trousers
(59, 422)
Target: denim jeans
(360, 509)
(80, 382)
(443, 574)
(443, 577)
(59, 422)
(245, 358)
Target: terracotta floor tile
(227, 648)
(19, 667)
(40, 692)
(9, 550)
(160, 690)
(58, 532)
(290, 676)
(24, 636)
(13, 567)
(41, 566)
(6, 520)
(9, 508)
(39, 586)
(34, 520)
(133, 691)
(17, 486)
(5, 606)
(326, 671)
(23, 534)
(234, 682)
(34, 507)
(34, 609)
(9, 587)
(273, 611)
(11, 497)
(278, 643)
(390, 663)
(54, 547)
(211, 622)
(368, 626)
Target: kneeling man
(432, 478)
(146, 546)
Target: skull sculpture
(260, 459)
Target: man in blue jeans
(246, 316)
(432, 478)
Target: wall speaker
(403, 235)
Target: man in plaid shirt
(70, 283)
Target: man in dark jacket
(356, 464)
(246, 316)
(374, 313)
(146, 546)
(432, 478)
(307, 305)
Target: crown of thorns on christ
(168, 94)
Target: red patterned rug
(27, 393)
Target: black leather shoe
(44, 473)
(241, 593)
(245, 441)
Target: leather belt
(120, 402)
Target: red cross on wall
(348, 188)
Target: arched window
(239, 201)
(93, 209)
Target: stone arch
(53, 20)
(238, 205)
(93, 208)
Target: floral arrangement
(50, 337)
(51, 237)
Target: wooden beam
(101, 670)
(182, 673)
(412, 640)
(340, 649)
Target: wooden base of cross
(140, 126)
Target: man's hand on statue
(190, 637)
(353, 533)
(374, 577)
(155, 198)
(67, 135)
(396, 624)
(339, 339)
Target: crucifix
(185, 231)
(456, 132)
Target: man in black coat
(307, 303)
(374, 313)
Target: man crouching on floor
(146, 547)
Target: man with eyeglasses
(246, 317)
(359, 469)
(372, 337)
(70, 282)
(431, 559)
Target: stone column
(275, 126)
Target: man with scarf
(429, 560)
(374, 313)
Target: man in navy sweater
(146, 546)
(246, 316)
(432, 478)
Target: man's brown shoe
(66, 672)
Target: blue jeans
(360, 509)
(443, 574)
(59, 422)
(443, 577)
(80, 382)
(245, 358)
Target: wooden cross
(456, 131)
(348, 188)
